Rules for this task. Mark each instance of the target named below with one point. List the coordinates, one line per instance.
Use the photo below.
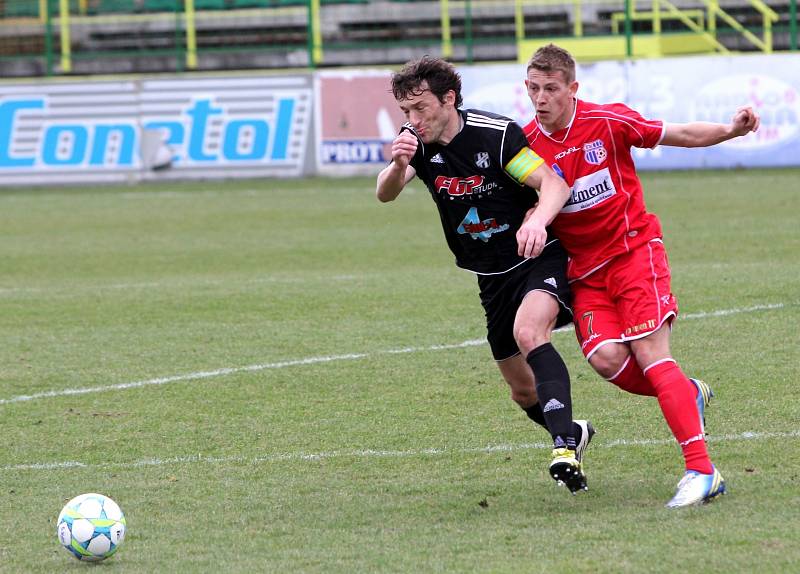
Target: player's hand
(531, 236)
(529, 213)
(404, 147)
(745, 121)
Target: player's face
(433, 120)
(553, 98)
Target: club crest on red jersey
(594, 152)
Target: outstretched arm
(703, 134)
(393, 178)
(553, 194)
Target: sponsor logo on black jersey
(460, 186)
(478, 228)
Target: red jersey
(606, 215)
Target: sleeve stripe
(523, 164)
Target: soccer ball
(91, 526)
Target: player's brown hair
(551, 58)
(438, 74)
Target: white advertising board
(677, 90)
(154, 129)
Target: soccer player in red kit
(618, 269)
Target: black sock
(535, 413)
(553, 388)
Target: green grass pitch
(288, 376)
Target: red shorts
(628, 298)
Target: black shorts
(501, 296)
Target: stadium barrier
(62, 37)
(156, 128)
(335, 123)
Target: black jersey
(475, 181)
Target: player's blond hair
(551, 58)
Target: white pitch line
(316, 360)
(724, 312)
(198, 282)
(371, 453)
(187, 377)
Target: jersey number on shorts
(586, 321)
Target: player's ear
(450, 97)
(573, 88)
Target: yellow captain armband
(523, 164)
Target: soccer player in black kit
(480, 173)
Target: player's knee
(523, 389)
(652, 348)
(649, 355)
(524, 397)
(608, 359)
(529, 337)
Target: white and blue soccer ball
(91, 526)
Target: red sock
(631, 378)
(676, 397)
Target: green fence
(58, 37)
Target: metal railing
(75, 36)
